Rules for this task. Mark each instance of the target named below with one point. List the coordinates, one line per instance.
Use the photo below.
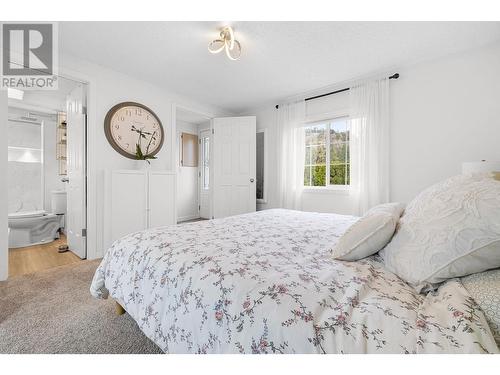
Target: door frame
(83, 87)
(91, 169)
(266, 163)
(200, 168)
(175, 147)
(92, 242)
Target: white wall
(187, 179)
(107, 88)
(443, 112)
(4, 244)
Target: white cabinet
(137, 200)
(161, 207)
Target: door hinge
(84, 232)
(199, 207)
(199, 174)
(213, 131)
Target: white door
(233, 164)
(204, 174)
(76, 195)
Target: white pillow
(484, 287)
(451, 229)
(370, 233)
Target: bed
(266, 282)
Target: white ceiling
(190, 117)
(279, 59)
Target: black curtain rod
(394, 76)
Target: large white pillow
(451, 229)
(369, 234)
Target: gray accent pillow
(484, 287)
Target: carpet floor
(52, 311)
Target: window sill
(341, 190)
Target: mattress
(266, 282)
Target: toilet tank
(58, 201)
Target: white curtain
(369, 132)
(291, 154)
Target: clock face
(130, 124)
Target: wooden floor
(39, 257)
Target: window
(327, 159)
(260, 165)
(205, 155)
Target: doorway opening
(193, 165)
(47, 177)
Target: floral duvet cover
(265, 282)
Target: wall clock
(130, 124)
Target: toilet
(29, 228)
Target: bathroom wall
(25, 165)
(29, 179)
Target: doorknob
(252, 180)
(65, 179)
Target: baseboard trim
(186, 218)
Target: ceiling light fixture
(226, 42)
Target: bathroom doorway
(46, 177)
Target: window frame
(327, 120)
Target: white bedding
(266, 283)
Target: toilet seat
(27, 214)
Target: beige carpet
(52, 311)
